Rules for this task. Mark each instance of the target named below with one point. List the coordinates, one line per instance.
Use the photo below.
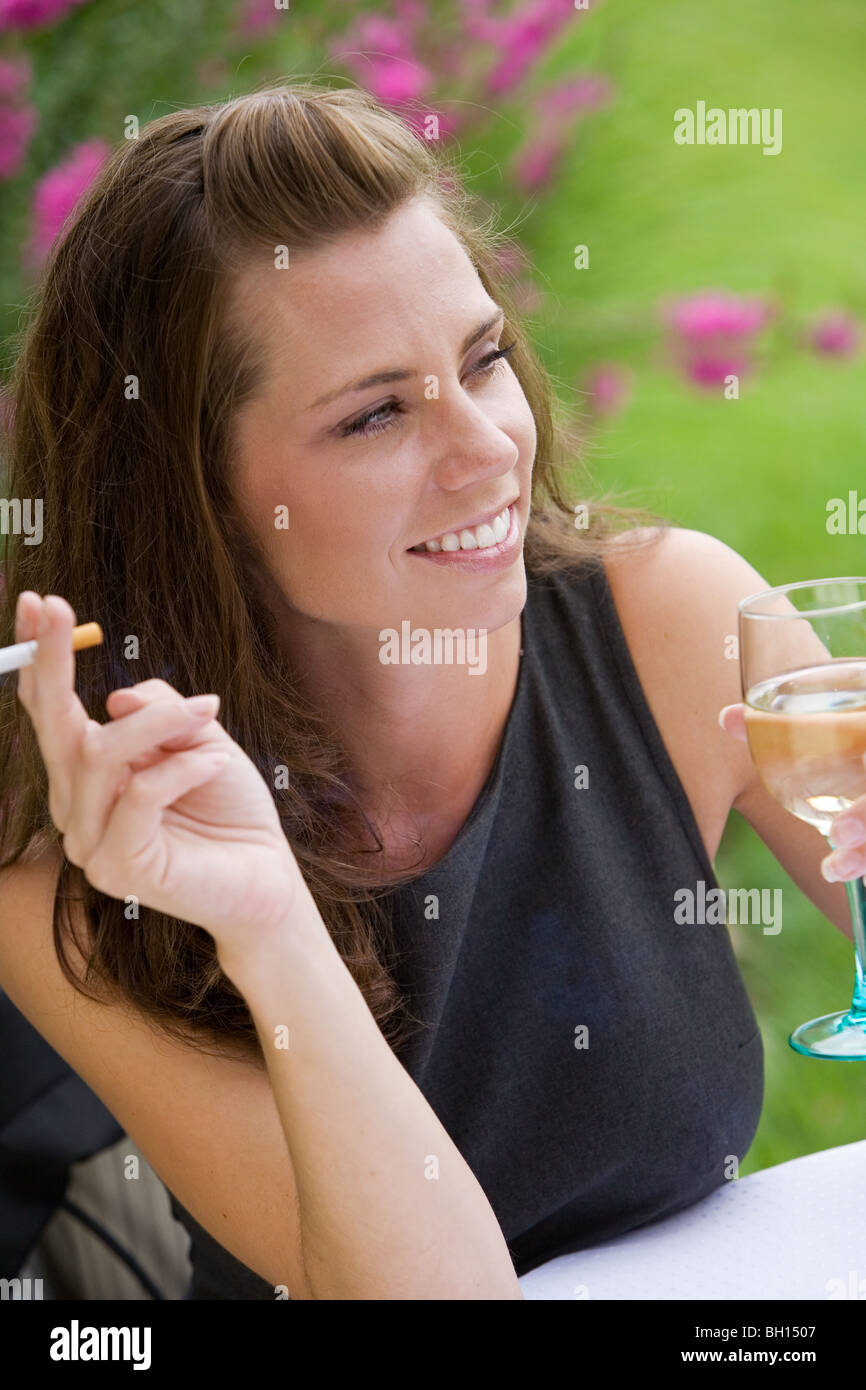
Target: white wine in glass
(803, 674)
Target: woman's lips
(491, 557)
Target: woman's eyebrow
(401, 373)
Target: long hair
(142, 531)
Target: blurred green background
(659, 219)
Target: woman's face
(364, 472)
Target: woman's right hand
(161, 804)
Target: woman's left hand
(733, 720)
(849, 857)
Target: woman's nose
(473, 448)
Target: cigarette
(24, 653)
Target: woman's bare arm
(388, 1206)
(313, 1173)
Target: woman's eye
(369, 424)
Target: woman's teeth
(478, 538)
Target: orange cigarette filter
(86, 635)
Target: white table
(797, 1230)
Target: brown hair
(143, 533)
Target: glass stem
(857, 900)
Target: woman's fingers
(28, 611)
(103, 766)
(733, 720)
(129, 697)
(54, 667)
(848, 840)
(132, 839)
(126, 699)
(47, 691)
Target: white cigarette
(24, 653)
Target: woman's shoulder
(676, 601)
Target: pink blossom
(17, 125)
(705, 315)
(15, 75)
(511, 258)
(32, 14)
(713, 334)
(706, 370)
(535, 162)
(257, 16)
(449, 123)
(523, 38)
(397, 82)
(608, 388)
(379, 52)
(834, 334)
(410, 12)
(387, 37)
(58, 191)
(585, 93)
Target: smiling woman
(394, 860)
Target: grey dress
(596, 1063)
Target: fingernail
(204, 705)
(841, 866)
(722, 717)
(848, 832)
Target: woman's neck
(421, 740)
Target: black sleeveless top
(596, 1063)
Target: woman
(379, 967)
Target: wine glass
(803, 674)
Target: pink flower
(256, 17)
(380, 54)
(534, 164)
(388, 37)
(607, 387)
(585, 93)
(704, 315)
(511, 258)
(410, 12)
(15, 75)
(448, 123)
(834, 334)
(523, 38)
(17, 125)
(395, 83)
(713, 334)
(712, 371)
(17, 120)
(58, 191)
(32, 14)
